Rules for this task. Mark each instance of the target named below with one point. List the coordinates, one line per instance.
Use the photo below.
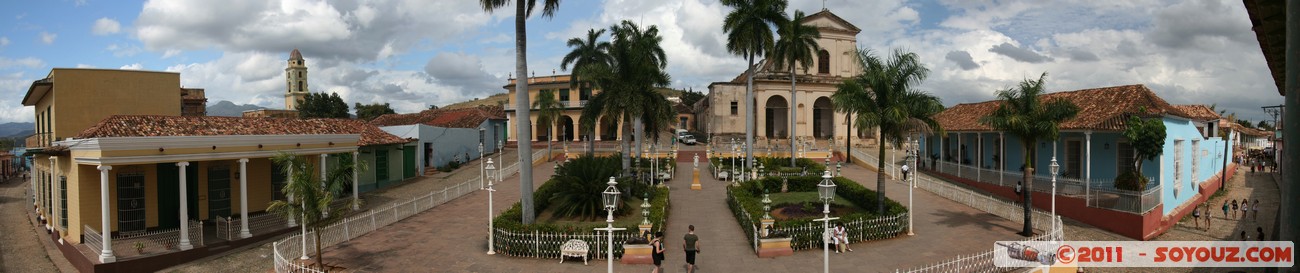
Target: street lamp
(501, 150)
(1055, 170)
(480, 157)
(488, 171)
(610, 198)
(909, 158)
(826, 191)
(761, 172)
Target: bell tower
(295, 81)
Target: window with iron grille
(130, 202)
(1178, 166)
(63, 202)
(735, 108)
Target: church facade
(722, 112)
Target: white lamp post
(826, 191)
(735, 152)
(488, 171)
(482, 171)
(1055, 169)
(911, 157)
(610, 198)
(501, 150)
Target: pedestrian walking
(1225, 209)
(905, 169)
(1196, 217)
(1244, 237)
(1020, 191)
(1245, 208)
(1260, 234)
(1255, 209)
(692, 246)
(1234, 209)
(658, 255)
(1208, 216)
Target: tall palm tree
(548, 111)
(523, 9)
(1025, 114)
(749, 34)
(587, 52)
(312, 198)
(883, 98)
(796, 46)
(627, 84)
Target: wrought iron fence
(144, 242)
(228, 228)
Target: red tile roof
(447, 118)
(1103, 109)
(1199, 112)
(148, 125)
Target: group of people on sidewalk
(690, 243)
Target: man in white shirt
(905, 171)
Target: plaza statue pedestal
(637, 254)
(695, 180)
(775, 247)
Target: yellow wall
(83, 97)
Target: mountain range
(230, 109)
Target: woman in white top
(841, 237)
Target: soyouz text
(1145, 254)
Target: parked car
(687, 139)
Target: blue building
(1091, 152)
(447, 135)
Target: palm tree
(1025, 114)
(884, 98)
(523, 9)
(313, 196)
(548, 111)
(749, 34)
(587, 53)
(627, 84)
(796, 45)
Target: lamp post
(761, 172)
(826, 191)
(501, 150)
(481, 169)
(909, 158)
(735, 152)
(488, 171)
(1055, 169)
(610, 198)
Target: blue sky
(412, 53)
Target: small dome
(295, 55)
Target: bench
(574, 248)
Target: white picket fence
(228, 228)
(287, 251)
(546, 245)
(810, 236)
(151, 242)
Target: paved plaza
(452, 237)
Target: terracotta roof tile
(148, 125)
(1199, 112)
(447, 118)
(1103, 109)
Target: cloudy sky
(412, 53)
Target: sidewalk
(258, 258)
(23, 246)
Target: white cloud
(48, 38)
(171, 53)
(106, 26)
(346, 30)
(4, 41)
(134, 66)
(28, 62)
(123, 50)
(12, 88)
(85, 66)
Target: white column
(243, 199)
(1002, 157)
(185, 214)
(356, 168)
(1087, 166)
(979, 154)
(289, 177)
(106, 254)
(49, 194)
(959, 158)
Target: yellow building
(113, 156)
(722, 113)
(566, 126)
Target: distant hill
(17, 129)
(230, 109)
(492, 100)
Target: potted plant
(139, 247)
